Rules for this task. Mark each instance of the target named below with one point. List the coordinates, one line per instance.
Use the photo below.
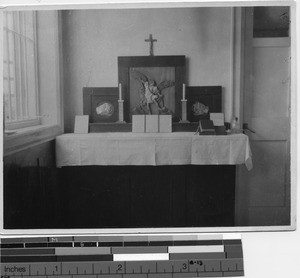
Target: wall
(93, 39)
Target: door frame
(242, 67)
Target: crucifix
(151, 40)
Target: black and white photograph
(191, 111)
(182, 62)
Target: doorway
(263, 194)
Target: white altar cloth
(178, 148)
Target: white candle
(120, 91)
(183, 91)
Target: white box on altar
(138, 123)
(81, 124)
(217, 118)
(165, 123)
(151, 123)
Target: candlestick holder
(121, 112)
(183, 112)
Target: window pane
(31, 86)
(11, 46)
(6, 99)
(19, 64)
(271, 22)
(5, 56)
(12, 67)
(9, 20)
(22, 96)
(28, 16)
(13, 102)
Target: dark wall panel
(30, 186)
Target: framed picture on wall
(101, 104)
(158, 69)
(202, 100)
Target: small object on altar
(138, 123)
(120, 91)
(121, 112)
(206, 127)
(217, 118)
(220, 130)
(183, 112)
(151, 123)
(165, 123)
(234, 123)
(81, 124)
(234, 126)
(227, 125)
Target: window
(20, 82)
(271, 22)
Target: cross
(151, 40)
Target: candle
(120, 91)
(183, 91)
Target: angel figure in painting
(151, 93)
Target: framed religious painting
(101, 104)
(202, 100)
(152, 85)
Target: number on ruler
(119, 268)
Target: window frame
(51, 123)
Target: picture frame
(127, 63)
(202, 100)
(101, 104)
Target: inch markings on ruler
(121, 257)
(203, 267)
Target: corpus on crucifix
(151, 40)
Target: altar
(142, 165)
(178, 148)
(128, 180)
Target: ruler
(121, 257)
